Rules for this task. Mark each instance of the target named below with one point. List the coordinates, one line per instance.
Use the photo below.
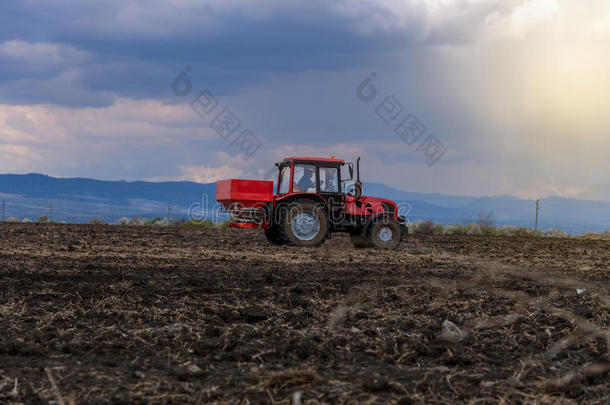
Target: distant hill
(80, 199)
(41, 186)
(568, 214)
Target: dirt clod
(373, 381)
(451, 332)
(253, 315)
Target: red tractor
(311, 202)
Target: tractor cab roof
(314, 159)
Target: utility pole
(169, 212)
(3, 210)
(537, 209)
(50, 212)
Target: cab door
(329, 187)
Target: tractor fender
(297, 196)
(286, 200)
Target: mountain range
(79, 200)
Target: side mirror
(351, 170)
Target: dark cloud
(135, 46)
(64, 52)
(219, 32)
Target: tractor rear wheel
(360, 241)
(384, 233)
(305, 223)
(274, 236)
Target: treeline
(432, 228)
(135, 221)
(484, 226)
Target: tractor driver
(306, 182)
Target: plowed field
(99, 314)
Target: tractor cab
(310, 175)
(318, 177)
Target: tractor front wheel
(305, 223)
(385, 234)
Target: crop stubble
(158, 315)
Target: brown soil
(98, 314)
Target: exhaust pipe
(358, 185)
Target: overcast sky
(516, 93)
